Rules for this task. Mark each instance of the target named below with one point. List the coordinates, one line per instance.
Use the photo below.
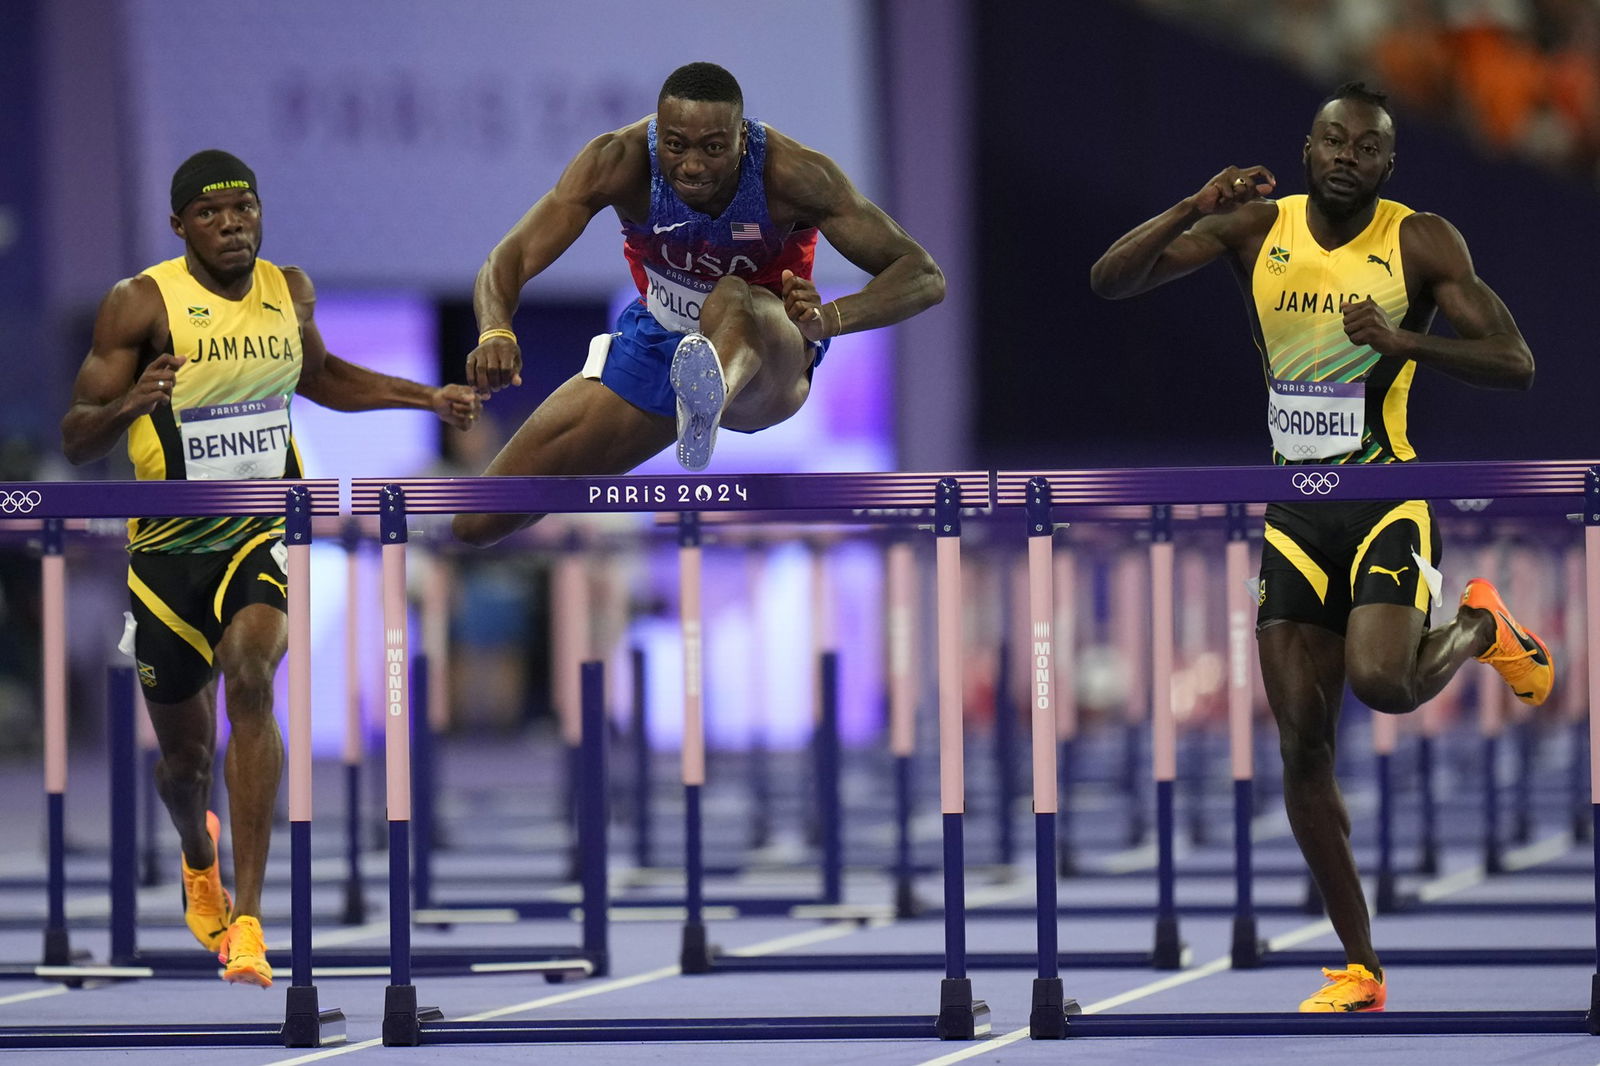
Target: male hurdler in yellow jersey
(198, 361)
(229, 412)
(1341, 287)
(1328, 398)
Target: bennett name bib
(232, 441)
(1316, 419)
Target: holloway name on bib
(674, 304)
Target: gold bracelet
(497, 332)
(839, 317)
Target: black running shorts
(182, 604)
(1321, 559)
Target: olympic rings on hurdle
(1315, 483)
(19, 502)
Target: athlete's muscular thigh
(781, 386)
(1302, 669)
(1381, 646)
(253, 644)
(582, 428)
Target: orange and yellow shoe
(1348, 991)
(1516, 654)
(207, 907)
(244, 954)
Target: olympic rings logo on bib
(19, 502)
(1316, 483)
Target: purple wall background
(1016, 140)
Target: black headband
(209, 171)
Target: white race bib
(231, 441)
(673, 304)
(1316, 419)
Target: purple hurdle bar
(1548, 489)
(305, 1024)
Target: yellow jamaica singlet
(1331, 401)
(229, 416)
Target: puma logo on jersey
(281, 586)
(1383, 263)
(270, 307)
(1374, 568)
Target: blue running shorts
(641, 354)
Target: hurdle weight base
(697, 953)
(402, 1018)
(57, 948)
(906, 903)
(1048, 1019)
(1248, 948)
(1593, 1017)
(1168, 953)
(959, 1013)
(1388, 897)
(355, 905)
(304, 1025)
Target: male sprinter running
(720, 216)
(1342, 287)
(197, 360)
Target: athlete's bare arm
(331, 382)
(1186, 236)
(613, 170)
(1488, 350)
(805, 187)
(111, 391)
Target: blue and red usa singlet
(678, 254)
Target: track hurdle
(857, 497)
(305, 1023)
(1544, 488)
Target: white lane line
(577, 993)
(1436, 889)
(1450, 884)
(1300, 935)
(798, 940)
(1523, 858)
(1540, 851)
(328, 1053)
(1214, 966)
(38, 993)
(978, 1049)
(766, 947)
(1532, 855)
(829, 932)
